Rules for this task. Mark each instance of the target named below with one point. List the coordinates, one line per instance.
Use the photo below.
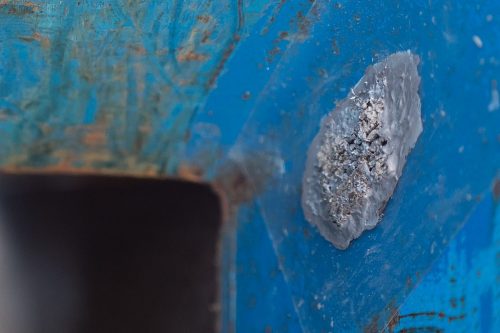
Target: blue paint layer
(460, 291)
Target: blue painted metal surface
(461, 291)
(147, 87)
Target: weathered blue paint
(461, 291)
(363, 286)
(110, 85)
(142, 87)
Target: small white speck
(280, 163)
(489, 18)
(477, 41)
(461, 149)
(433, 247)
(331, 323)
(442, 113)
(468, 197)
(319, 306)
(433, 20)
(495, 98)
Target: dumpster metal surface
(232, 93)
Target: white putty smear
(356, 159)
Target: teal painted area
(131, 72)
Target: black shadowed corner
(107, 254)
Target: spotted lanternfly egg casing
(356, 159)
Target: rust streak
(191, 56)
(19, 7)
(225, 57)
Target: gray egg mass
(356, 159)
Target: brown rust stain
(459, 317)
(422, 329)
(273, 17)
(19, 7)
(206, 36)
(204, 18)
(419, 314)
(394, 318)
(372, 327)
(335, 47)
(190, 173)
(240, 182)
(191, 55)
(36, 37)
(138, 49)
(228, 51)
(225, 57)
(246, 95)
(64, 168)
(94, 136)
(453, 302)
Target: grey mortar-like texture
(355, 161)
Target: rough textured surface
(355, 161)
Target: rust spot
(394, 321)
(453, 302)
(372, 327)
(303, 24)
(335, 47)
(190, 173)
(409, 282)
(203, 18)
(246, 95)
(273, 17)
(225, 56)
(283, 35)
(18, 7)
(422, 329)
(138, 49)
(459, 317)
(191, 56)
(241, 17)
(272, 53)
(36, 37)
(206, 36)
(239, 182)
(418, 314)
(94, 136)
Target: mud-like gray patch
(357, 157)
